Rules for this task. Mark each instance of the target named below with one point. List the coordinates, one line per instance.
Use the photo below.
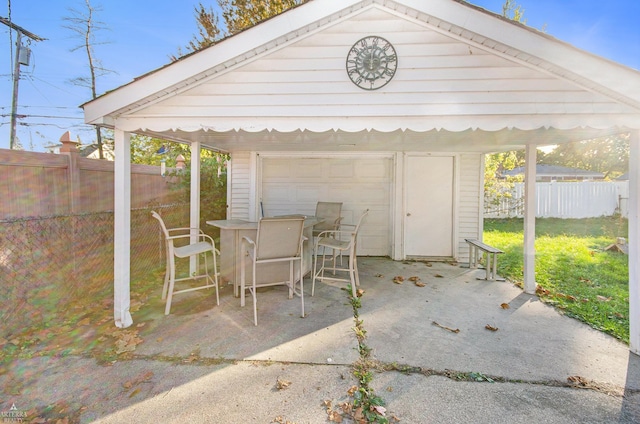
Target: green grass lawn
(573, 271)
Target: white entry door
(429, 201)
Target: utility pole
(22, 58)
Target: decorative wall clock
(372, 62)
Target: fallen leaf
(141, 378)
(127, 341)
(282, 384)
(359, 292)
(346, 407)
(414, 278)
(491, 327)
(381, 410)
(456, 330)
(398, 279)
(379, 275)
(541, 291)
(335, 417)
(420, 284)
(603, 299)
(352, 390)
(358, 416)
(85, 321)
(439, 276)
(505, 306)
(135, 392)
(428, 264)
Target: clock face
(371, 63)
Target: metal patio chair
(279, 239)
(344, 240)
(330, 213)
(186, 248)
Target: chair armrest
(246, 239)
(201, 237)
(332, 233)
(199, 230)
(252, 244)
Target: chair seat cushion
(193, 249)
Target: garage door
(295, 185)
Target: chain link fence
(47, 263)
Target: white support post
(194, 210)
(530, 219)
(122, 230)
(634, 243)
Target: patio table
(231, 233)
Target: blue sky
(144, 33)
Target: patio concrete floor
(209, 364)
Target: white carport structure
(468, 82)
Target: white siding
(239, 186)
(470, 202)
(437, 75)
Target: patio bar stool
(279, 239)
(203, 245)
(344, 240)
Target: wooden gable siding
(437, 75)
(471, 201)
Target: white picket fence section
(580, 199)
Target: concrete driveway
(436, 360)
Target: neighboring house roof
(91, 151)
(467, 80)
(543, 171)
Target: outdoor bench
(491, 262)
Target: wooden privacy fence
(47, 184)
(580, 199)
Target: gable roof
(460, 69)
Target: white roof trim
(382, 124)
(465, 22)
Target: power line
(21, 116)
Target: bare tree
(84, 25)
